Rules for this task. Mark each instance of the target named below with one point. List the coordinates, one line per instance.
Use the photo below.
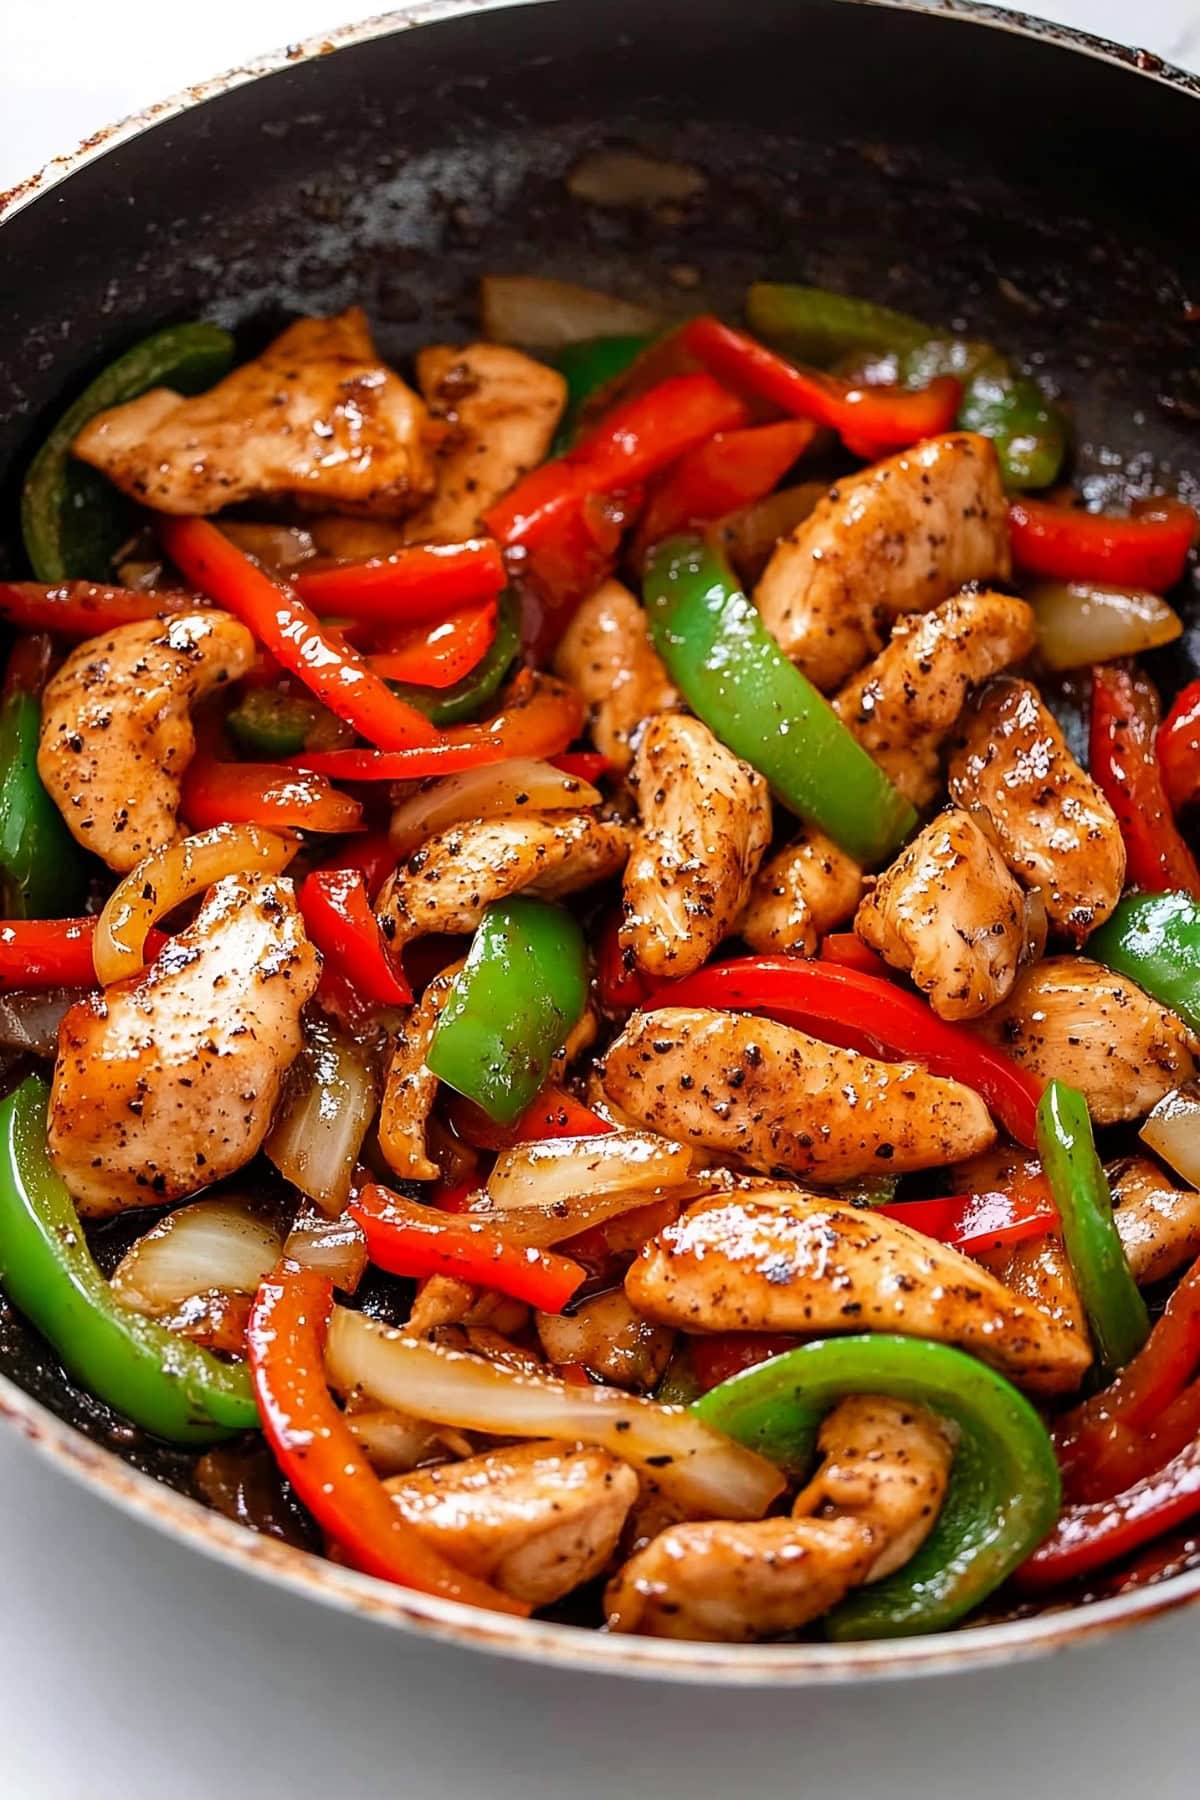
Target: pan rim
(565, 1646)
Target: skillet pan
(1024, 183)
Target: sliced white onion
(335, 1246)
(557, 1171)
(1173, 1131)
(331, 1100)
(395, 1442)
(545, 315)
(627, 178)
(498, 790)
(278, 547)
(704, 1470)
(221, 1244)
(1081, 622)
(30, 1021)
(749, 535)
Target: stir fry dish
(601, 963)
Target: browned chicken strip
(705, 823)
(766, 1097)
(803, 891)
(1038, 1270)
(446, 884)
(1071, 1020)
(606, 653)
(905, 702)
(608, 1338)
(1158, 1223)
(317, 416)
(885, 1464)
(899, 537)
(166, 1083)
(731, 1582)
(536, 1520)
(791, 1261)
(410, 1088)
(117, 733)
(502, 409)
(949, 913)
(1057, 831)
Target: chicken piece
(885, 1464)
(949, 914)
(608, 1337)
(116, 731)
(1039, 1270)
(166, 1083)
(791, 1261)
(903, 705)
(900, 537)
(731, 1582)
(606, 653)
(1055, 827)
(317, 417)
(764, 1096)
(410, 1088)
(799, 894)
(706, 821)
(1158, 1223)
(446, 885)
(536, 1520)
(1070, 1019)
(502, 409)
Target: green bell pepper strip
(588, 366)
(1115, 1309)
(734, 676)
(72, 520)
(267, 724)
(1004, 1492)
(467, 698)
(520, 992)
(1154, 939)
(1029, 432)
(168, 1386)
(43, 872)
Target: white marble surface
(131, 1670)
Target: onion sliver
(543, 1224)
(169, 876)
(699, 1467)
(329, 1105)
(395, 1442)
(555, 1171)
(1173, 1131)
(336, 1246)
(525, 784)
(220, 1244)
(545, 315)
(1081, 622)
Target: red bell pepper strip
(583, 765)
(315, 1449)
(1123, 759)
(423, 582)
(606, 1250)
(283, 624)
(732, 469)
(1149, 549)
(1133, 1426)
(438, 655)
(1097, 1532)
(1179, 747)
(848, 951)
(406, 1237)
(46, 953)
(714, 1359)
(632, 442)
(870, 420)
(271, 794)
(620, 984)
(540, 717)
(575, 553)
(338, 919)
(977, 1222)
(554, 1114)
(371, 855)
(862, 1012)
(83, 609)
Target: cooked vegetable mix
(566, 939)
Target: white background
(133, 1670)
